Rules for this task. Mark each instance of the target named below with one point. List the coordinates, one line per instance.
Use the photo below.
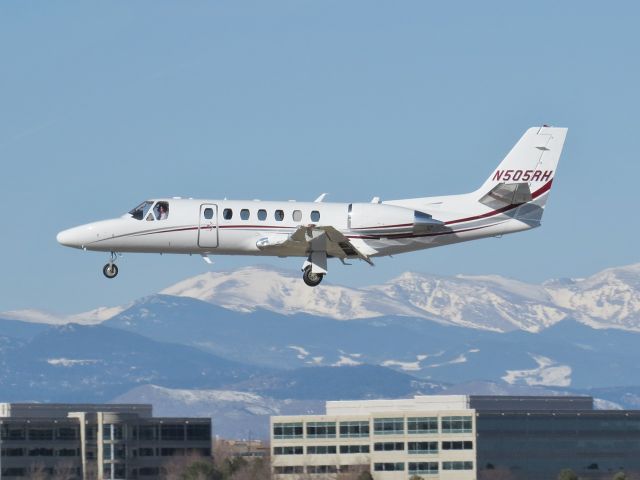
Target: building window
(41, 452)
(422, 425)
(172, 452)
(428, 468)
(288, 470)
(297, 216)
(388, 426)
(287, 430)
(13, 434)
(172, 432)
(466, 445)
(422, 447)
(388, 467)
(388, 446)
(12, 452)
(354, 429)
(198, 432)
(354, 449)
(244, 214)
(68, 452)
(288, 450)
(321, 430)
(227, 214)
(322, 469)
(146, 432)
(40, 434)
(145, 452)
(321, 450)
(456, 424)
(279, 215)
(67, 433)
(149, 472)
(457, 465)
(315, 216)
(262, 214)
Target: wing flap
(307, 239)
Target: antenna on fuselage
(320, 198)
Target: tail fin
(528, 170)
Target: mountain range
(245, 344)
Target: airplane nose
(69, 238)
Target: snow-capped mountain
(251, 288)
(608, 299)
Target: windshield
(141, 210)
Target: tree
(567, 474)
(620, 476)
(415, 477)
(37, 471)
(201, 470)
(65, 471)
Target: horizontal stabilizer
(507, 194)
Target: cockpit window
(161, 210)
(141, 210)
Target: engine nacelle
(380, 220)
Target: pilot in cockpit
(162, 212)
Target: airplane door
(208, 227)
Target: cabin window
(297, 216)
(150, 217)
(315, 216)
(279, 215)
(208, 213)
(227, 214)
(262, 214)
(141, 210)
(244, 214)
(161, 210)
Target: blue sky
(105, 104)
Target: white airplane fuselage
(511, 200)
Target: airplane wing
(307, 239)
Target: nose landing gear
(110, 270)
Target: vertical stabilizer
(532, 162)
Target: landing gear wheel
(110, 270)
(310, 278)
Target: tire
(110, 270)
(310, 278)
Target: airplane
(512, 199)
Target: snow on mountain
(548, 374)
(92, 317)
(250, 288)
(608, 299)
(488, 302)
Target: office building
(458, 437)
(86, 441)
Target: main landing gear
(110, 270)
(315, 268)
(310, 278)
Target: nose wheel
(110, 270)
(310, 278)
